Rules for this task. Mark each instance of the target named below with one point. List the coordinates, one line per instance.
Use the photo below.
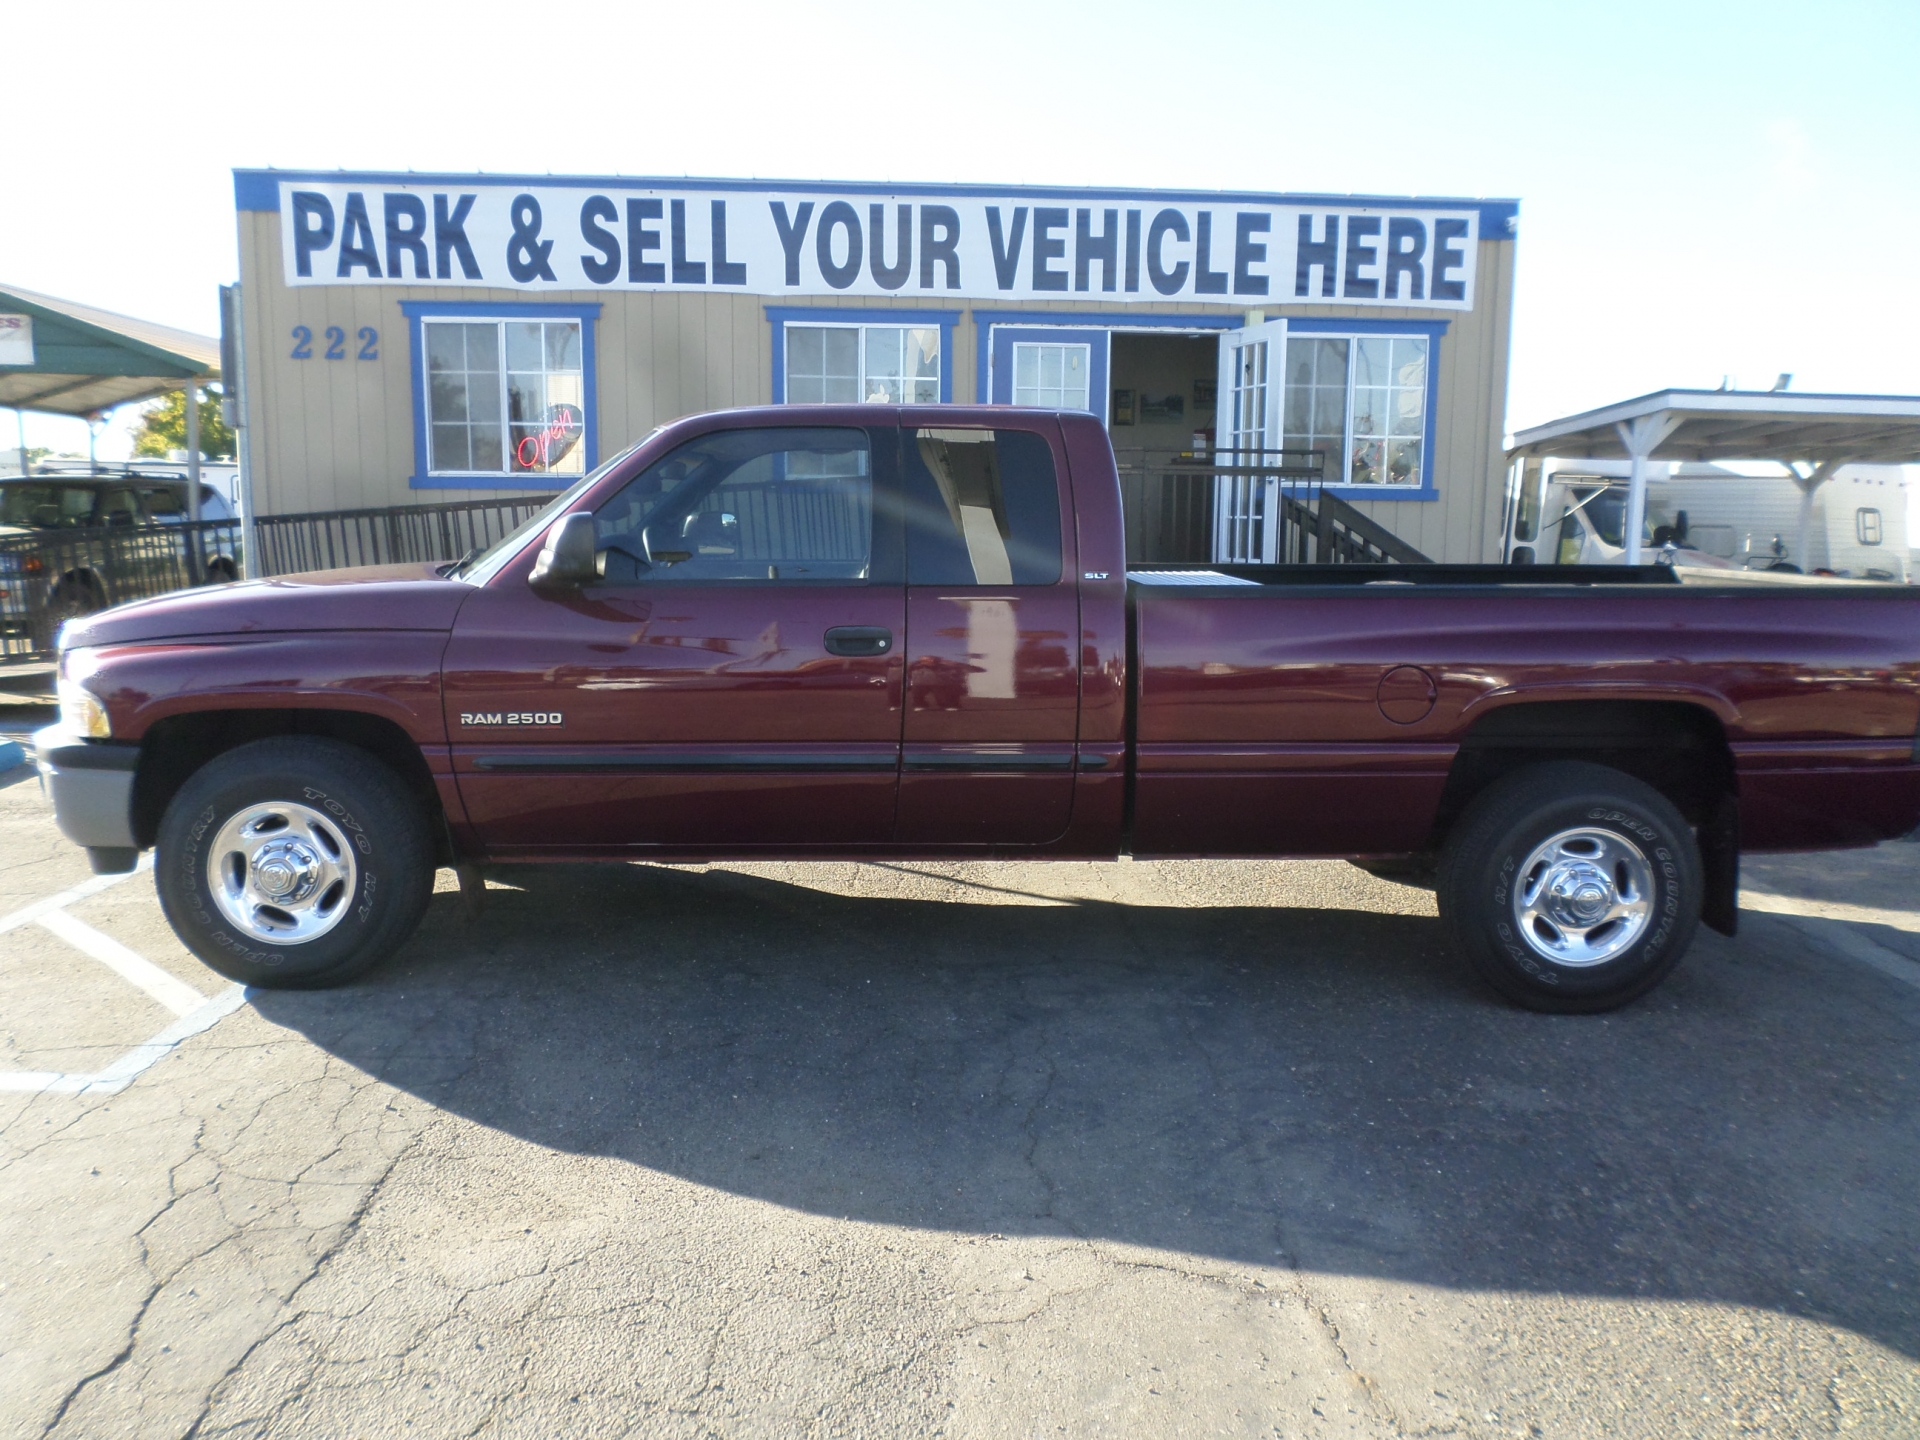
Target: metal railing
(388, 535)
(1245, 507)
(48, 576)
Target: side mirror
(566, 561)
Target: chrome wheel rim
(1583, 897)
(281, 873)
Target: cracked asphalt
(964, 1150)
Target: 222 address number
(336, 343)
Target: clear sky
(1706, 189)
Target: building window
(1866, 525)
(1051, 377)
(505, 397)
(1362, 401)
(847, 364)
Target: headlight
(81, 712)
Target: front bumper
(91, 782)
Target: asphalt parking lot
(875, 1150)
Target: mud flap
(1720, 867)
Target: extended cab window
(781, 505)
(983, 508)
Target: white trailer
(1573, 512)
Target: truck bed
(1313, 711)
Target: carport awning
(87, 360)
(1740, 425)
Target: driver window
(788, 504)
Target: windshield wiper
(459, 567)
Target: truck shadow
(1318, 1088)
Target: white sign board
(16, 340)
(966, 245)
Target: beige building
(417, 338)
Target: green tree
(163, 426)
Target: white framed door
(1246, 508)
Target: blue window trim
(1108, 320)
(1434, 330)
(781, 316)
(418, 310)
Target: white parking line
(196, 1011)
(178, 996)
(122, 1073)
(27, 914)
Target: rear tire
(1571, 888)
(294, 863)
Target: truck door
(992, 621)
(734, 681)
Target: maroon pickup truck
(864, 632)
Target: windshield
(484, 565)
(1606, 512)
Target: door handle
(865, 640)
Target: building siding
(334, 435)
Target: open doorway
(1164, 389)
(1161, 407)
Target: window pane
(1410, 362)
(806, 353)
(563, 347)
(450, 451)
(446, 347)
(524, 348)
(1408, 406)
(1403, 462)
(883, 353)
(1329, 412)
(446, 396)
(1370, 365)
(483, 348)
(1026, 367)
(842, 350)
(805, 389)
(983, 508)
(881, 383)
(1298, 407)
(923, 353)
(483, 399)
(1369, 412)
(486, 448)
(1365, 468)
(786, 505)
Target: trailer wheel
(294, 863)
(1571, 887)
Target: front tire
(294, 863)
(1571, 888)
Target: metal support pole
(20, 424)
(1641, 437)
(233, 381)
(1636, 506)
(1809, 481)
(196, 549)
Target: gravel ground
(964, 1150)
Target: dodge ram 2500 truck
(866, 631)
